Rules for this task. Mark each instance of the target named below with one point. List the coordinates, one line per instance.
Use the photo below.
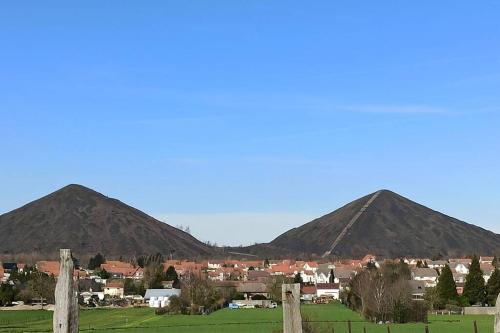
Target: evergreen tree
(495, 262)
(446, 287)
(103, 274)
(474, 289)
(96, 262)
(297, 278)
(332, 276)
(7, 294)
(171, 275)
(493, 287)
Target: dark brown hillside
(88, 222)
(391, 226)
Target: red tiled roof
(48, 267)
(308, 290)
(52, 268)
(119, 267)
(324, 286)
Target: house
(284, 269)
(251, 289)
(329, 290)
(2, 275)
(308, 293)
(215, 264)
(486, 260)
(459, 277)
(344, 274)
(466, 262)
(89, 285)
(48, 267)
(417, 290)
(437, 264)
(9, 267)
(488, 270)
(183, 268)
(258, 276)
(114, 288)
(308, 276)
(323, 275)
(428, 275)
(122, 270)
(459, 267)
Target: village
(244, 283)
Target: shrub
(161, 311)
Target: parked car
(233, 306)
(272, 305)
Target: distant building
(308, 293)
(417, 290)
(427, 275)
(114, 288)
(159, 298)
(250, 289)
(331, 290)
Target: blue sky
(242, 119)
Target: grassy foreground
(324, 317)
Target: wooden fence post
(292, 320)
(475, 326)
(497, 316)
(349, 326)
(426, 328)
(66, 298)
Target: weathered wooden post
(66, 298)
(497, 316)
(292, 320)
(475, 326)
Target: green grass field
(324, 317)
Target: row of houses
(321, 279)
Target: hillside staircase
(349, 225)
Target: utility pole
(292, 319)
(497, 316)
(66, 297)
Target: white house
(488, 270)
(331, 290)
(308, 276)
(114, 289)
(437, 264)
(428, 275)
(461, 268)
